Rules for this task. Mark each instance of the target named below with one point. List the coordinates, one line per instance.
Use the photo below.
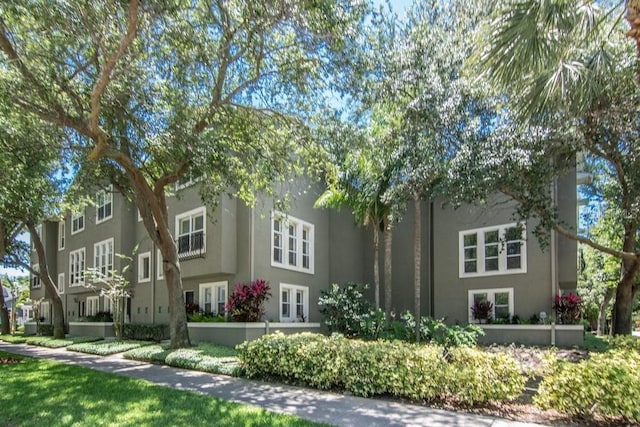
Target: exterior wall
(531, 290)
(556, 335)
(232, 334)
(568, 249)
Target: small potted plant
(482, 311)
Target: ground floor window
(485, 304)
(213, 297)
(45, 312)
(92, 306)
(294, 303)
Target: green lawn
(37, 392)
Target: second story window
(77, 222)
(61, 235)
(76, 267)
(190, 233)
(104, 205)
(103, 256)
(291, 243)
(144, 267)
(35, 278)
(492, 250)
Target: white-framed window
(93, 305)
(294, 303)
(159, 265)
(45, 311)
(103, 257)
(35, 278)
(213, 297)
(108, 305)
(77, 222)
(144, 267)
(501, 300)
(104, 205)
(60, 284)
(187, 180)
(190, 232)
(76, 267)
(493, 250)
(292, 243)
(61, 235)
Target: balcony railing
(191, 245)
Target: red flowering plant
(568, 308)
(246, 302)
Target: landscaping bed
(106, 348)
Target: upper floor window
(213, 297)
(103, 257)
(291, 243)
(493, 250)
(104, 205)
(60, 284)
(77, 222)
(294, 303)
(144, 267)
(190, 231)
(35, 278)
(159, 265)
(76, 267)
(61, 235)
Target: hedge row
(419, 372)
(206, 357)
(606, 384)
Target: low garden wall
(30, 328)
(234, 333)
(558, 335)
(91, 329)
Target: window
(103, 257)
(502, 300)
(159, 265)
(60, 284)
(493, 250)
(291, 243)
(144, 267)
(213, 297)
(188, 298)
(77, 222)
(294, 303)
(188, 179)
(61, 235)
(45, 311)
(104, 205)
(108, 305)
(35, 278)
(92, 306)
(76, 267)
(190, 230)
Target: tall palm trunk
(376, 264)
(388, 239)
(417, 260)
(5, 327)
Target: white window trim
(35, 277)
(159, 267)
(305, 302)
(77, 216)
(300, 224)
(96, 246)
(490, 297)
(502, 251)
(62, 238)
(202, 210)
(141, 258)
(72, 254)
(92, 302)
(107, 304)
(45, 311)
(60, 284)
(107, 194)
(214, 286)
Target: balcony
(191, 246)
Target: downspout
(432, 304)
(252, 244)
(554, 262)
(154, 277)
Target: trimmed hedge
(51, 342)
(365, 368)
(606, 384)
(105, 348)
(13, 339)
(145, 332)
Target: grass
(13, 339)
(51, 342)
(105, 348)
(67, 395)
(205, 357)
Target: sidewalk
(320, 406)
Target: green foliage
(97, 399)
(606, 384)
(45, 330)
(433, 331)
(101, 316)
(105, 348)
(364, 368)
(603, 343)
(145, 331)
(345, 310)
(13, 339)
(205, 317)
(51, 342)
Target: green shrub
(606, 384)
(13, 339)
(150, 353)
(346, 311)
(105, 348)
(45, 330)
(205, 317)
(366, 368)
(434, 331)
(101, 316)
(50, 342)
(145, 332)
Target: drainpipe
(154, 275)
(252, 244)
(432, 305)
(554, 262)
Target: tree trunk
(623, 305)
(376, 265)
(602, 314)
(633, 17)
(45, 278)
(388, 238)
(417, 260)
(177, 314)
(5, 327)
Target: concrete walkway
(320, 406)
